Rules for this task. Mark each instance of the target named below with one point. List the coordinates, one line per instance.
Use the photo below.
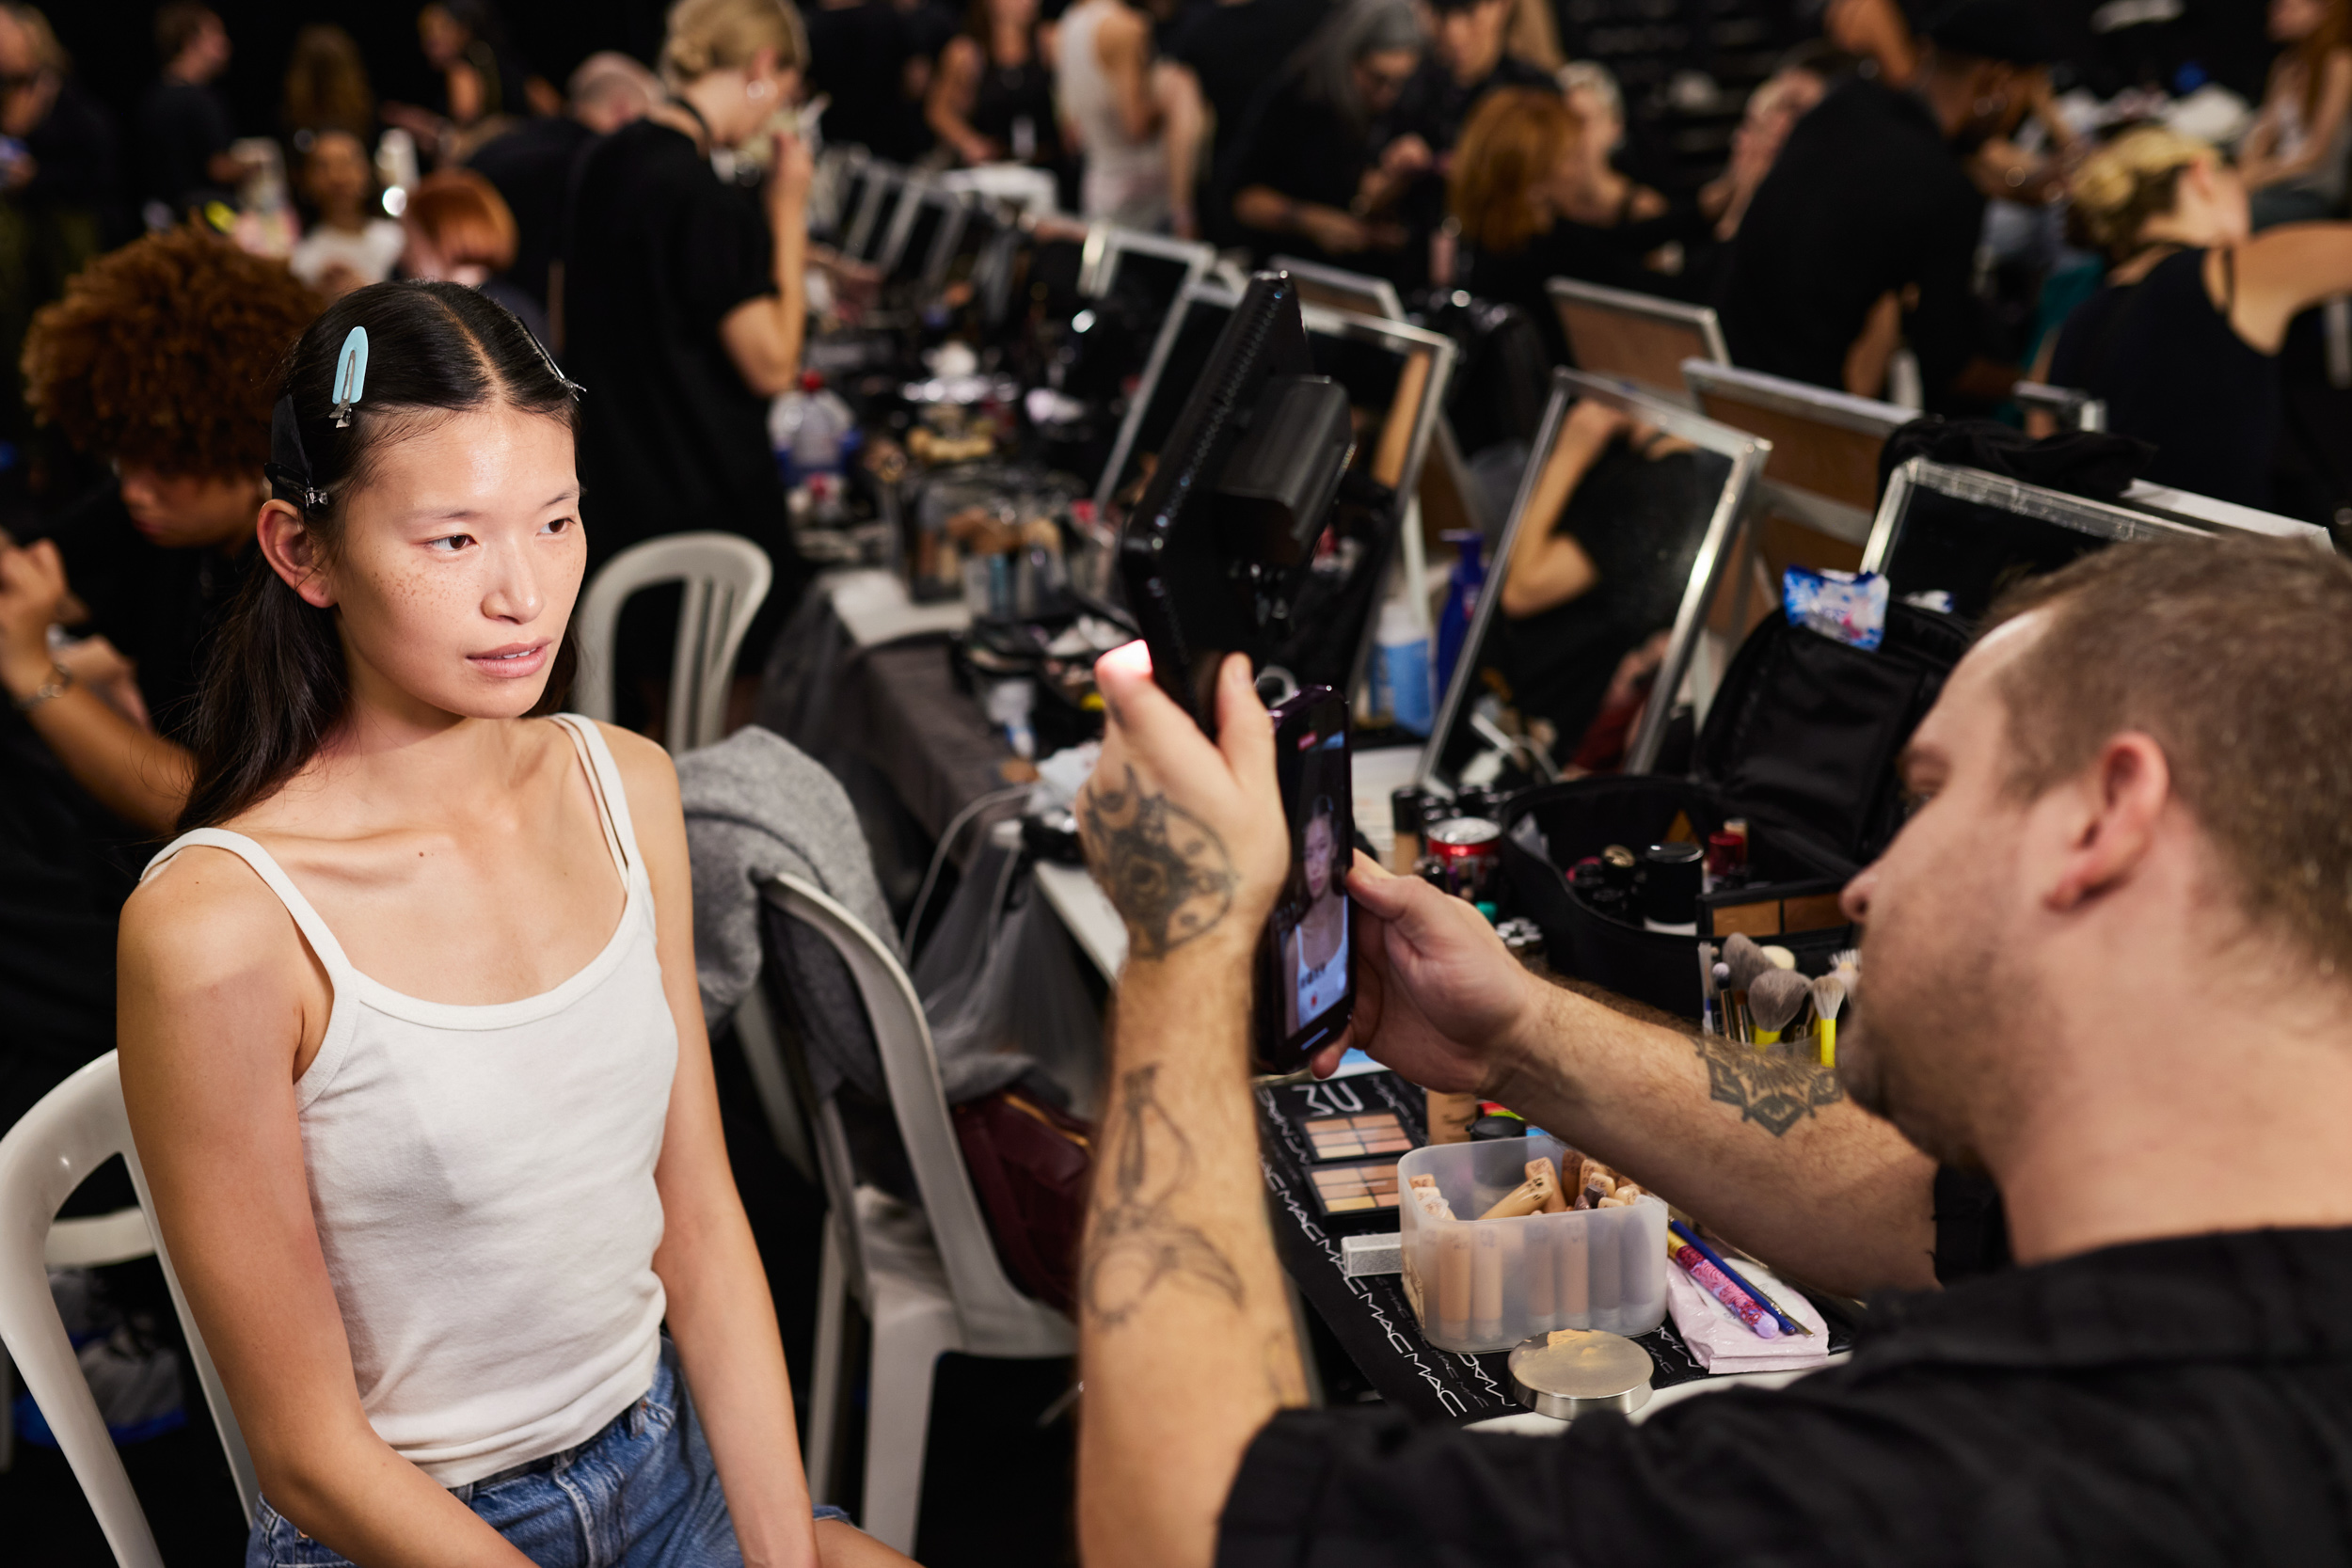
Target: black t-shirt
(183, 127)
(2179, 1402)
(1298, 145)
(1237, 49)
(531, 166)
(74, 153)
(1639, 520)
(858, 54)
(1866, 198)
(670, 438)
(1433, 107)
(65, 869)
(2175, 372)
(158, 607)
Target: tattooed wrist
(1166, 871)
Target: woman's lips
(512, 662)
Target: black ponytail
(275, 684)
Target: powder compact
(1354, 1138)
(1356, 1189)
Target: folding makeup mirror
(1607, 567)
(1638, 336)
(877, 215)
(1968, 535)
(1395, 375)
(837, 192)
(1337, 289)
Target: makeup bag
(1028, 1159)
(1801, 742)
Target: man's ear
(2111, 825)
(292, 552)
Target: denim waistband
(467, 1491)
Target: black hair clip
(289, 468)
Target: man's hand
(1186, 834)
(1334, 231)
(32, 586)
(1438, 996)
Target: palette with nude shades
(1353, 1137)
(1360, 1189)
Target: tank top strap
(306, 919)
(620, 836)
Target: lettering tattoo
(1774, 1092)
(1164, 869)
(1136, 1244)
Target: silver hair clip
(351, 376)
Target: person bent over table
(2110, 963)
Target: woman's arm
(132, 772)
(1184, 123)
(2282, 273)
(763, 335)
(1123, 47)
(221, 1007)
(720, 1312)
(1547, 569)
(952, 93)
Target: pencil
(1787, 1322)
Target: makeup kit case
(1801, 743)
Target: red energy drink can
(1469, 851)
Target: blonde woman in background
(2183, 341)
(2293, 160)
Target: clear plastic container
(1486, 1285)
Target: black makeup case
(1801, 742)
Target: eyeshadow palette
(1356, 1189)
(1353, 1137)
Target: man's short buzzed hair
(2236, 656)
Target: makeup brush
(1747, 960)
(1774, 1002)
(1779, 956)
(1846, 963)
(1829, 994)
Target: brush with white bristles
(1829, 995)
(1775, 1000)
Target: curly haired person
(158, 359)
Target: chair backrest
(725, 577)
(77, 1127)
(997, 1319)
(1638, 337)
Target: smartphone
(1306, 987)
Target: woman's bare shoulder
(205, 921)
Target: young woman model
(2183, 341)
(1314, 951)
(993, 96)
(410, 1036)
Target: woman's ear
(292, 552)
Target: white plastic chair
(930, 1280)
(92, 1241)
(77, 1127)
(727, 579)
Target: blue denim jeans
(640, 1494)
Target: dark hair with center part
(276, 686)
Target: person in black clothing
(2108, 963)
(533, 166)
(2181, 343)
(158, 360)
(1871, 211)
(684, 308)
(1532, 205)
(1302, 173)
(992, 95)
(1234, 48)
(862, 56)
(185, 128)
(1600, 563)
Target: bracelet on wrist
(60, 681)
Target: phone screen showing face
(1305, 986)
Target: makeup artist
(2108, 962)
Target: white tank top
(482, 1180)
(1125, 181)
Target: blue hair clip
(351, 374)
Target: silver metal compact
(1573, 1371)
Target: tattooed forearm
(1135, 1243)
(1164, 869)
(1774, 1092)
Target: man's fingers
(1379, 893)
(1326, 1061)
(1244, 733)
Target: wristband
(60, 681)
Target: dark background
(113, 44)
